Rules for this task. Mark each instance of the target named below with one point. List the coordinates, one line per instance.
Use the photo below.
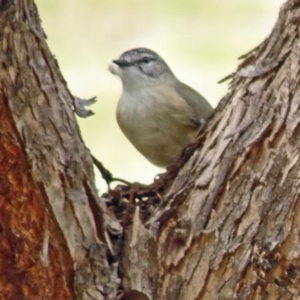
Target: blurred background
(200, 39)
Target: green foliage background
(200, 39)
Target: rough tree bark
(223, 223)
(51, 244)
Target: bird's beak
(121, 63)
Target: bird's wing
(173, 106)
(200, 107)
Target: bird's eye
(146, 60)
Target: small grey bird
(159, 114)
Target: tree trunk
(52, 246)
(222, 223)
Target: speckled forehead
(136, 54)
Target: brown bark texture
(222, 223)
(51, 244)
